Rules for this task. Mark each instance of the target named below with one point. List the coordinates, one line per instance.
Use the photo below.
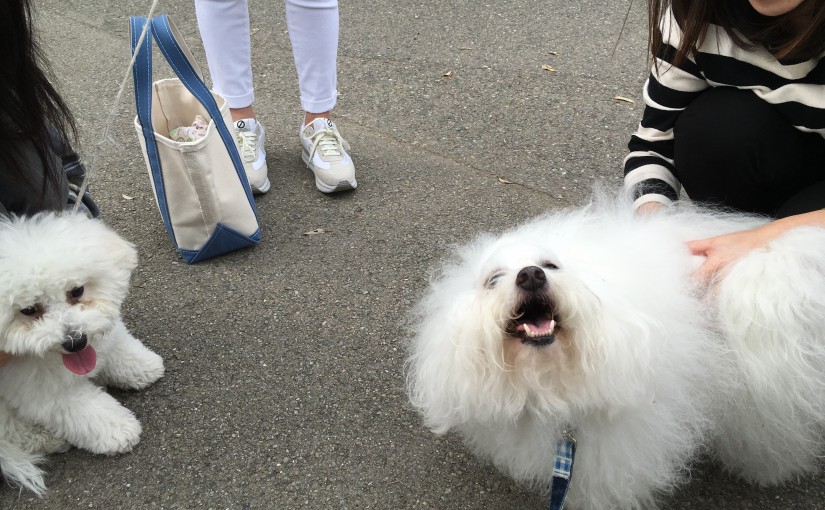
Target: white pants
(313, 30)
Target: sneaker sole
(264, 187)
(260, 190)
(341, 186)
(324, 187)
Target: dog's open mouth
(535, 323)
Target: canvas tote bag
(200, 187)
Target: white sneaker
(325, 153)
(250, 138)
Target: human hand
(722, 251)
(4, 358)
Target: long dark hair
(795, 36)
(29, 105)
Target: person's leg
(313, 31)
(734, 149)
(225, 31)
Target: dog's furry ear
(101, 240)
(121, 250)
(58, 240)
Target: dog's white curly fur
(645, 366)
(45, 407)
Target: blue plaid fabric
(562, 471)
(564, 458)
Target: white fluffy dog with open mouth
(585, 327)
(62, 281)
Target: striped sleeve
(648, 168)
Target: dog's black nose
(531, 278)
(75, 341)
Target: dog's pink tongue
(540, 327)
(81, 362)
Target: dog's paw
(43, 441)
(139, 371)
(148, 371)
(36, 439)
(56, 445)
(114, 434)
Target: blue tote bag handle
(142, 78)
(224, 239)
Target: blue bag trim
(142, 78)
(223, 239)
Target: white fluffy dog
(62, 281)
(589, 321)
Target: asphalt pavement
(284, 386)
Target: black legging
(733, 149)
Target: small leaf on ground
(622, 98)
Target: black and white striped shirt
(796, 91)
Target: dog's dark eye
(73, 296)
(549, 265)
(32, 311)
(491, 281)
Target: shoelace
(327, 140)
(247, 144)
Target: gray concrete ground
(284, 386)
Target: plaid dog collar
(562, 470)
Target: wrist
(779, 226)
